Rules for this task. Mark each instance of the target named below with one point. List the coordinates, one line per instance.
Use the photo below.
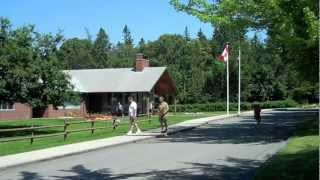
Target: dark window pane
(1, 105)
(10, 106)
(5, 105)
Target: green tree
(127, 36)
(77, 54)
(186, 34)
(142, 45)
(101, 49)
(201, 36)
(124, 51)
(30, 72)
(291, 25)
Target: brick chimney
(141, 62)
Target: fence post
(175, 105)
(32, 134)
(148, 108)
(65, 130)
(92, 126)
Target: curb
(11, 160)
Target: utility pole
(239, 81)
(228, 79)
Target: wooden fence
(65, 132)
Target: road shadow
(297, 110)
(275, 127)
(234, 169)
(30, 176)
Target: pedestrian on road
(257, 112)
(133, 116)
(163, 111)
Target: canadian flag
(225, 54)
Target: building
(102, 89)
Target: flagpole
(239, 81)
(228, 81)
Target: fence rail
(65, 132)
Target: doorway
(38, 112)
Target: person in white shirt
(133, 116)
(150, 109)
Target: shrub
(222, 106)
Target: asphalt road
(224, 149)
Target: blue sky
(145, 18)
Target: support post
(175, 105)
(65, 130)
(228, 81)
(92, 127)
(32, 134)
(148, 106)
(112, 105)
(239, 82)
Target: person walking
(120, 110)
(117, 115)
(133, 116)
(257, 112)
(150, 109)
(163, 111)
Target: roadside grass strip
(299, 160)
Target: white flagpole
(228, 80)
(239, 81)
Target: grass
(24, 145)
(299, 160)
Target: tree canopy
(291, 26)
(29, 68)
(282, 65)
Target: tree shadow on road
(31, 176)
(234, 169)
(274, 128)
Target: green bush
(222, 106)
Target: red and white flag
(225, 54)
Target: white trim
(6, 110)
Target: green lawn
(299, 160)
(24, 145)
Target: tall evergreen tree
(77, 54)
(142, 45)
(186, 34)
(127, 36)
(101, 49)
(201, 35)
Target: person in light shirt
(163, 112)
(133, 116)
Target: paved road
(224, 149)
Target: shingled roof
(115, 80)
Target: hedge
(222, 106)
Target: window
(70, 105)
(6, 106)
